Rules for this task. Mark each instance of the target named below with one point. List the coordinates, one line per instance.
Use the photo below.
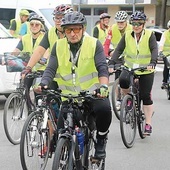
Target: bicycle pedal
(94, 160)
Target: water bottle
(55, 108)
(80, 138)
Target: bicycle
(37, 142)
(131, 114)
(69, 152)
(166, 59)
(17, 107)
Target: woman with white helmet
(164, 49)
(117, 31)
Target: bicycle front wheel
(62, 153)
(116, 98)
(15, 114)
(35, 143)
(128, 121)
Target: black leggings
(145, 85)
(102, 113)
(165, 72)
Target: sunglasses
(137, 23)
(75, 30)
(35, 24)
(57, 19)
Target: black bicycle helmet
(138, 15)
(38, 18)
(73, 18)
(62, 9)
(104, 15)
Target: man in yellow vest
(164, 50)
(140, 49)
(100, 31)
(84, 57)
(116, 32)
(15, 24)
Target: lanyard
(74, 61)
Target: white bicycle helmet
(168, 24)
(121, 16)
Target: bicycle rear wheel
(128, 121)
(62, 154)
(15, 114)
(35, 143)
(116, 98)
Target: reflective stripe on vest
(52, 37)
(137, 56)
(86, 73)
(116, 35)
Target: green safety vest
(116, 35)
(102, 34)
(166, 47)
(28, 47)
(18, 27)
(137, 56)
(86, 74)
(52, 37)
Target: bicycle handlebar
(81, 95)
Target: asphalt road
(151, 153)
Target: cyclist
(82, 66)
(100, 30)
(140, 49)
(15, 24)
(116, 32)
(50, 37)
(29, 42)
(164, 49)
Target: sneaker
(148, 129)
(164, 85)
(100, 148)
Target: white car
(8, 80)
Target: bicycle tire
(62, 151)
(128, 122)
(141, 124)
(168, 92)
(15, 114)
(33, 139)
(116, 97)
